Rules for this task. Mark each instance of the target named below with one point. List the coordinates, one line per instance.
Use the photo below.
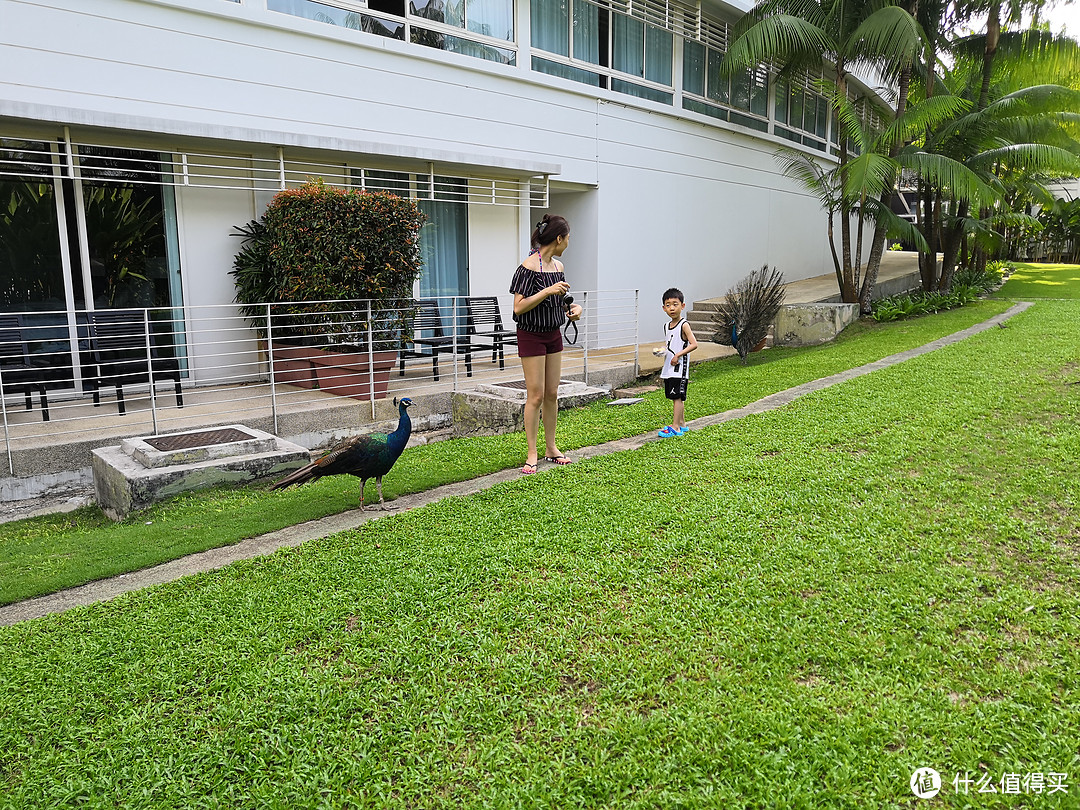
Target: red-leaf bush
(319, 254)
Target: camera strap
(566, 332)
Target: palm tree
(1016, 137)
(799, 34)
(864, 185)
(996, 64)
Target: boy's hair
(674, 292)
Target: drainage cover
(519, 384)
(204, 438)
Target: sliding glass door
(86, 227)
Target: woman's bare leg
(552, 374)
(534, 388)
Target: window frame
(608, 76)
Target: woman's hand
(574, 313)
(558, 288)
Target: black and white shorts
(675, 387)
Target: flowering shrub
(318, 254)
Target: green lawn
(795, 610)
(47, 554)
(1031, 281)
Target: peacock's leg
(382, 504)
(363, 483)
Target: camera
(567, 301)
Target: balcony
(158, 371)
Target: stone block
(492, 409)
(811, 324)
(135, 474)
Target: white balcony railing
(69, 377)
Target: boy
(679, 342)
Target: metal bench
(121, 353)
(484, 321)
(427, 317)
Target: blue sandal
(668, 432)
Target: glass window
(568, 72)
(780, 103)
(638, 90)
(598, 36)
(822, 117)
(346, 19)
(467, 47)
(795, 108)
(31, 270)
(590, 32)
(551, 26)
(444, 245)
(492, 18)
(759, 92)
(717, 86)
(129, 214)
(628, 45)
(694, 68)
(659, 46)
(374, 180)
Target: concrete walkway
(295, 535)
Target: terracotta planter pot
(343, 373)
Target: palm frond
(955, 180)
(782, 37)
(895, 226)
(888, 36)
(1029, 156)
(804, 170)
(869, 174)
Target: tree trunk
(847, 286)
(877, 244)
(993, 34)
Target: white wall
(206, 219)
(493, 249)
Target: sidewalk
(295, 535)
(899, 272)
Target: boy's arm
(688, 336)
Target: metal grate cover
(519, 384)
(185, 441)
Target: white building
(610, 112)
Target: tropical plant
(798, 34)
(1061, 230)
(1016, 136)
(123, 225)
(322, 259)
(910, 305)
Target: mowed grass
(1031, 281)
(47, 554)
(795, 610)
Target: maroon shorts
(535, 344)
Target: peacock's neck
(400, 437)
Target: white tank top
(674, 342)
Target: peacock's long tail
(301, 476)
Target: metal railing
(68, 377)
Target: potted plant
(326, 277)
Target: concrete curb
(105, 589)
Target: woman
(539, 310)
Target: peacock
(747, 311)
(368, 456)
